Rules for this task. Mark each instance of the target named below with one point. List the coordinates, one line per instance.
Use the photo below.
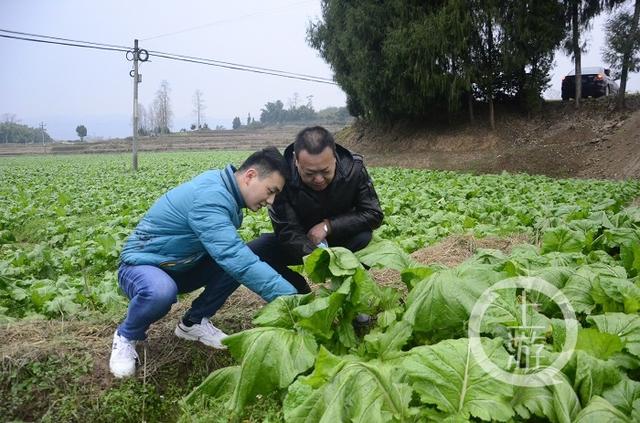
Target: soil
(595, 141)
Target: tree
(13, 132)
(578, 15)
(152, 119)
(162, 108)
(81, 130)
(9, 126)
(198, 105)
(236, 123)
(272, 113)
(487, 39)
(144, 120)
(424, 59)
(533, 31)
(622, 47)
(248, 119)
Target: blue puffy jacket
(202, 217)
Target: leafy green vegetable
(448, 376)
(280, 312)
(600, 410)
(350, 391)
(626, 326)
(625, 396)
(270, 358)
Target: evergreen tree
(399, 59)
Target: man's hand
(319, 232)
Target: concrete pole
(136, 81)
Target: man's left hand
(318, 233)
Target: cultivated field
(64, 219)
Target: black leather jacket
(350, 203)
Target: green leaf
(385, 254)
(600, 410)
(559, 402)
(366, 295)
(413, 275)
(316, 265)
(279, 312)
(598, 344)
(590, 375)
(219, 383)
(441, 305)
(319, 315)
(387, 344)
(604, 286)
(271, 358)
(626, 326)
(357, 392)
(448, 376)
(343, 262)
(623, 395)
(630, 257)
(562, 239)
(327, 365)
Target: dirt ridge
(595, 141)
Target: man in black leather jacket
(330, 200)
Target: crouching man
(187, 240)
(329, 201)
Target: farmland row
(64, 218)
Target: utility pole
(136, 81)
(42, 125)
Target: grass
(71, 385)
(57, 371)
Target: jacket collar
(229, 179)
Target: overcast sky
(68, 86)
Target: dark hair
(314, 140)
(266, 161)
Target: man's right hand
(318, 233)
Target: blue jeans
(153, 291)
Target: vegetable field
(64, 220)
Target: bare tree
(151, 119)
(143, 120)
(162, 107)
(198, 106)
(9, 120)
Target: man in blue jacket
(187, 240)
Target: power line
(63, 44)
(321, 81)
(47, 39)
(225, 21)
(236, 65)
(63, 39)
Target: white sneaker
(204, 332)
(123, 356)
